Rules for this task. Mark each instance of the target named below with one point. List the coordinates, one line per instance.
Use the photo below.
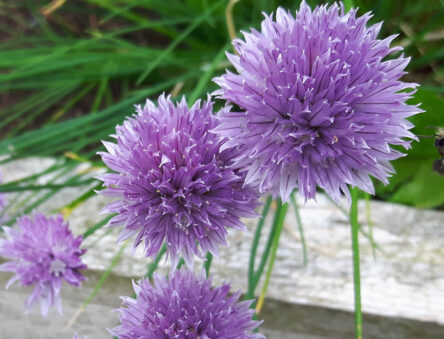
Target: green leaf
(415, 183)
(426, 189)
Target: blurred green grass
(66, 79)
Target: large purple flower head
(318, 105)
(43, 253)
(185, 306)
(173, 182)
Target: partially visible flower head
(185, 306)
(173, 182)
(76, 336)
(319, 106)
(43, 253)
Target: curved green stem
(274, 247)
(257, 235)
(356, 268)
(263, 262)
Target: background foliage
(68, 75)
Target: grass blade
(201, 18)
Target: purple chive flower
(185, 306)
(76, 336)
(318, 105)
(173, 183)
(43, 253)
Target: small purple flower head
(43, 253)
(76, 336)
(173, 182)
(185, 306)
(319, 106)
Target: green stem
(180, 264)
(80, 200)
(96, 289)
(207, 263)
(356, 269)
(153, 266)
(105, 275)
(260, 270)
(257, 235)
(300, 228)
(274, 247)
(375, 246)
(97, 226)
(8, 188)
